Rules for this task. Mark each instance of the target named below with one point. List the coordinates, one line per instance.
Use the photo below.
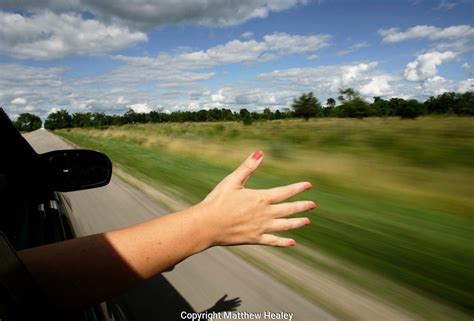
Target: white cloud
(353, 48)
(250, 51)
(19, 101)
(140, 108)
(186, 68)
(289, 44)
(48, 35)
(46, 88)
(251, 98)
(327, 80)
(234, 51)
(468, 68)
(312, 57)
(378, 86)
(425, 65)
(18, 83)
(466, 85)
(146, 14)
(436, 85)
(247, 35)
(393, 35)
(444, 4)
(450, 4)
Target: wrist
(204, 231)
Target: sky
(166, 55)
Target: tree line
(306, 106)
(352, 105)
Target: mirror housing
(75, 169)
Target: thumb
(243, 172)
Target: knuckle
(256, 239)
(247, 167)
(305, 206)
(260, 199)
(296, 208)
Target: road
(195, 284)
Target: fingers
(282, 224)
(269, 239)
(290, 208)
(243, 172)
(223, 298)
(279, 194)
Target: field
(394, 196)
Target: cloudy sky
(112, 55)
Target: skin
(94, 268)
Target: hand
(238, 215)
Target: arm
(93, 268)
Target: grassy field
(394, 196)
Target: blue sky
(109, 56)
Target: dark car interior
(33, 212)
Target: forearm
(93, 268)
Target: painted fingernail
(308, 222)
(309, 185)
(312, 206)
(257, 155)
(292, 243)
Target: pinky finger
(272, 240)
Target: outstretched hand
(238, 215)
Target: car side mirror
(75, 169)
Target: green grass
(393, 196)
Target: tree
(57, 120)
(329, 110)
(81, 120)
(379, 107)
(28, 122)
(464, 104)
(287, 113)
(227, 114)
(352, 104)
(306, 106)
(410, 109)
(441, 104)
(245, 116)
(100, 120)
(347, 94)
(356, 108)
(267, 114)
(278, 114)
(450, 102)
(330, 103)
(202, 115)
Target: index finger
(279, 194)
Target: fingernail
(257, 155)
(308, 221)
(292, 243)
(312, 206)
(309, 185)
